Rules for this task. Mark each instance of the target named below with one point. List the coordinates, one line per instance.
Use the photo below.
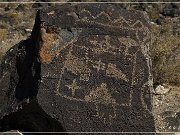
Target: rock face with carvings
(88, 68)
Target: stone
(162, 89)
(20, 8)
(176, 5)
(88, 68)
(95, 77)
(168, 12)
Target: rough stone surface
(99, 71)
(87, 65)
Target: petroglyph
(77, 66)
(136, 27)
(101, 68)
(103, 46)
(112, 71)
(128, 42)
(89, 16)
(119, 22)
(99, 65)
(73, 87)
(99, 96)
(51, 13)
(94, 71)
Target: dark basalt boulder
(86, 66)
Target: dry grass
(7, 43)
(13, 24)
(163, 104)
(4, 34)
(163, 47)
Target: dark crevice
(31, 117)
(77, 14)
(69, 29)
(26, 65)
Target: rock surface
(162, 89)
(86, 66)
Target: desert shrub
(153, 14)
(16, 17)
(163, 47)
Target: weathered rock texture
(86, 66)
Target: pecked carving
(104, 67)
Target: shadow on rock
(30, 118)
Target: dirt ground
(166, 111)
